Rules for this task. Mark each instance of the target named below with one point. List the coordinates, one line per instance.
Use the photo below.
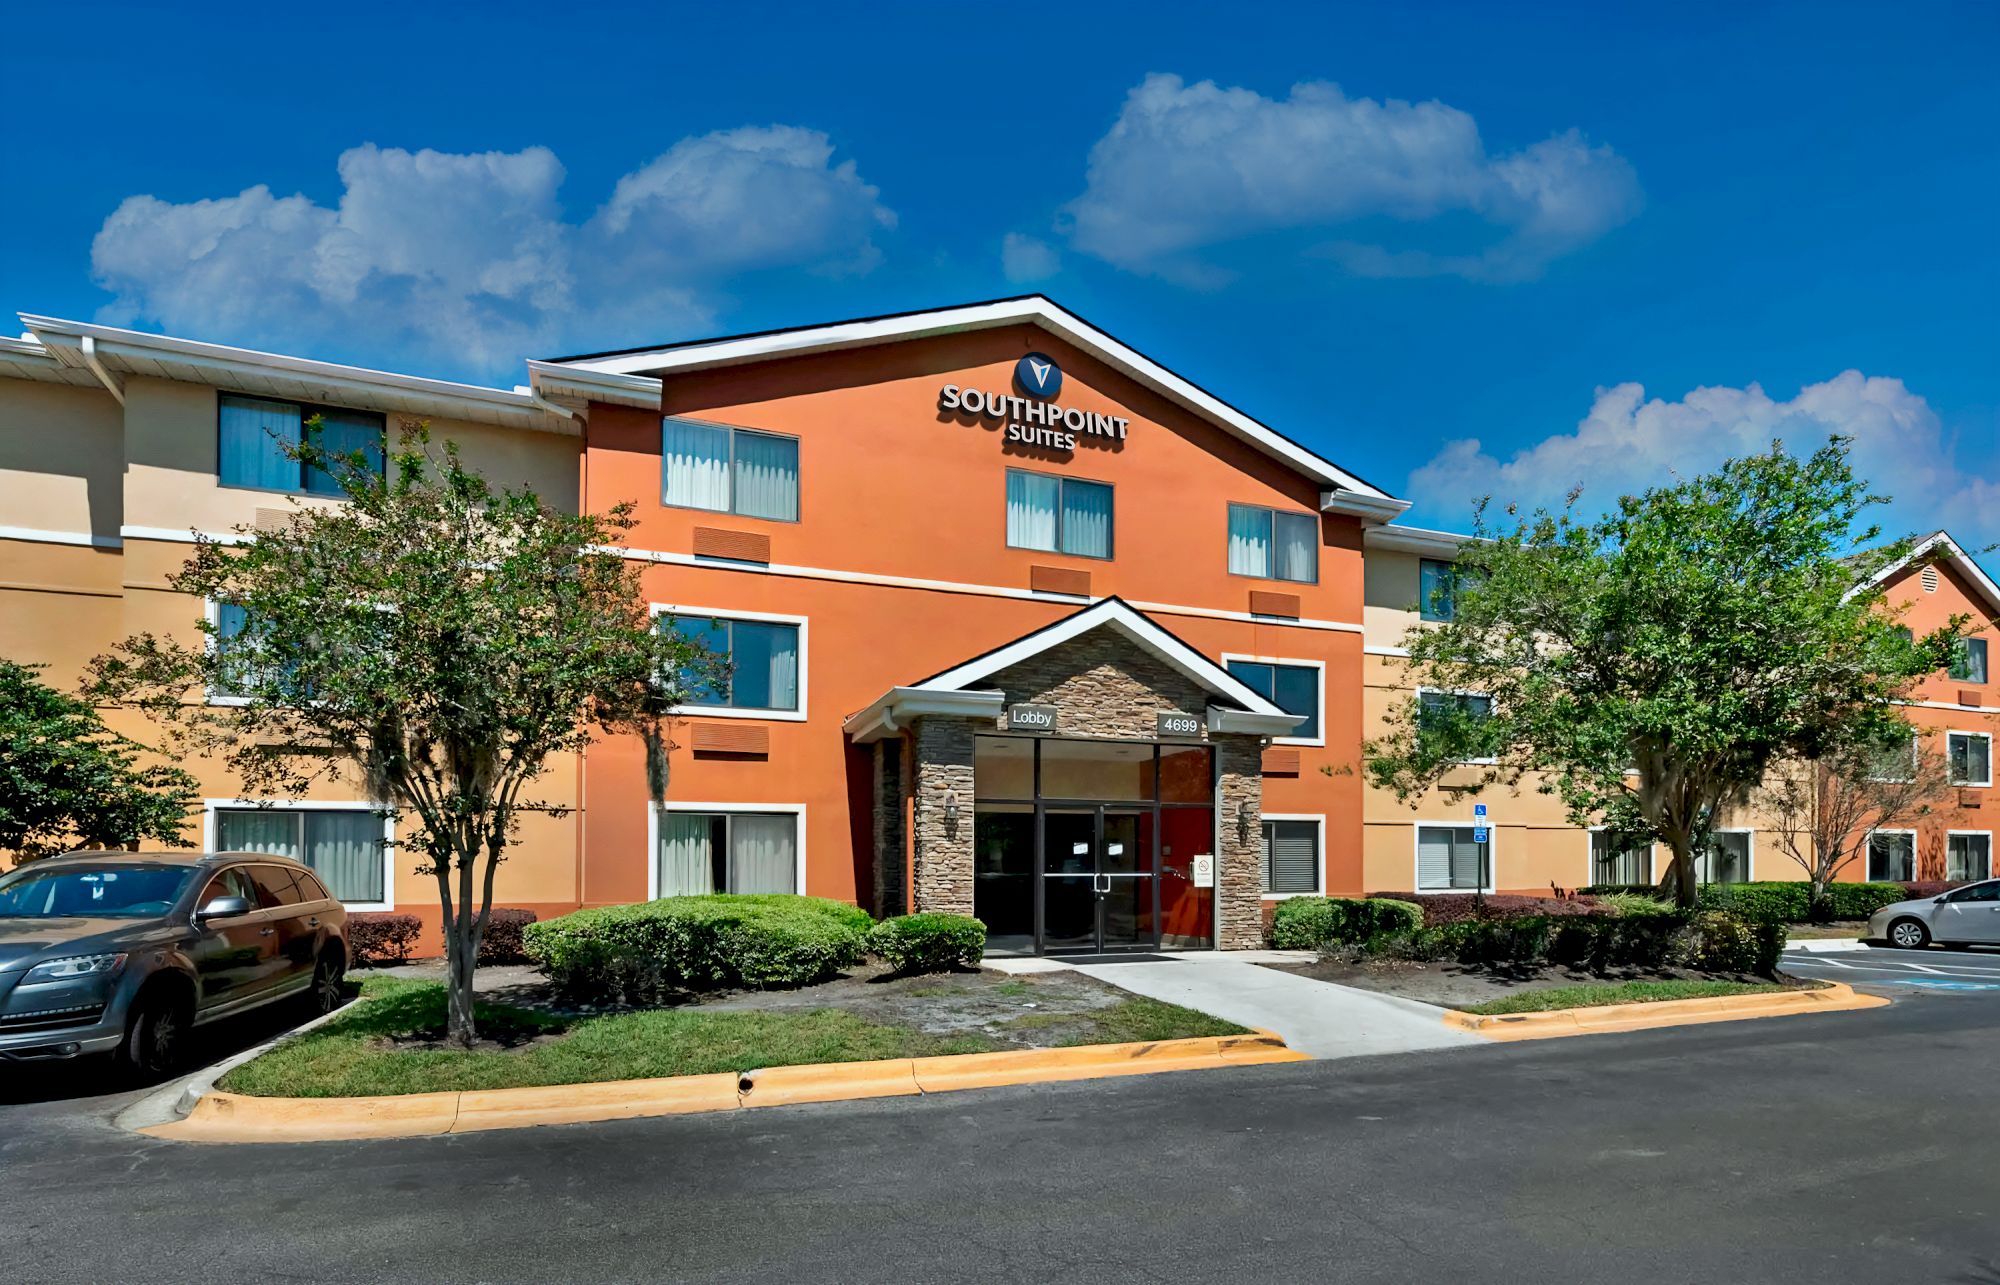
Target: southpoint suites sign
(1036, 419)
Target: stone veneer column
(944, 849)
(1239, 877)
(891, 898)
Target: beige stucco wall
(61, 458)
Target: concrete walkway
(1318, 1018)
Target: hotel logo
(1038, 376)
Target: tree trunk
(1680, 873)
(461, 945)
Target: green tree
(67, 780)
(436, 640)
(1648, 666)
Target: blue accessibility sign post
(1479, 823)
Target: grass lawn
(356, 1055)
(1598, 993)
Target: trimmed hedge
(502, 942)
(1713, 941)
(929, 942)
(376, 939)
(640, 953)
(1789, 901)
(1442, 908)
(1308, 923)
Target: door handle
(266, 932)
(313, 922)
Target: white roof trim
(1400, 539)
(135, 351)
(553, 379)
(1960, 560)
(947, 693)
(1032, 309)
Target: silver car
(127, 952)
(1963, 916)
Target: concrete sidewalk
(1319, 1018)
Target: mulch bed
(1452, 985)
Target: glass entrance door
(1098, 887)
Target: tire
(1909, 934)
(329, 982)
(156, 1034)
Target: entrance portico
(1092, 786)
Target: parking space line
(1893, 969)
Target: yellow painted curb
(230, 1117)
(1555, 1023)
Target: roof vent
(1929, 578)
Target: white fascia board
(1112, 613)
(889, 713)
(218, 361)
(1034, 310)
(1955, 554)
(1370, 507)
(553, 379)
(1246, 723)
(1399, 539)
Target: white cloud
(1628, 443)
(1191, 168)
(1025, 258)
(467, 260)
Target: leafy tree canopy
(67, 780)
(1649, 665)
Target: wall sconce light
(1246, 821)
(951, 807)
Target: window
(1892, 856)
(757, 663)
(1058, 514)
(1726, 859)
(275, 887)
(1971, 757)
(1627, 865)
(1456, 716)
(1979, 892)
(1273, 545)
(709, 852)
(253, 433)
(342, 845)
(1968, 661)
(1449, 860)
(729, 470)
(1968, 856)
(1895, 761)
(1292, 688)
(1437, 589)
(1291, 856)
(244, 650)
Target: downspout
(96, 367)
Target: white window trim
(799, 498)
(1590, 859)
(1749, 848)
(1984, 736)
(653, 811)
(1319, 544)
(718, 711)
(1319, 872)
(1457, 691)
(1868, 841)
(1301, 663)
(1916, 760)
(209, 807)
(1417, 859)
(1984, 834)
(211, 610)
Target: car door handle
(266, 932)
(313, 922)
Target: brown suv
(128, 952)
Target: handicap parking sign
(1479, 834)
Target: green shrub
(1714, 941)
(1309, 923)
(1790, 902)
(1634, 905)
(929, 943)
(640, 952)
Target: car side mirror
(225, 907)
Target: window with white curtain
(729, 470)
(709, 852)
(1629, 865)
(1058, 514)
(342, 845)
(1970, 756)
(1726, 859)
(1892, 856)
(1273, 545)
(254, 433)
(1968, 856)
(757, 662)
(1451, 858)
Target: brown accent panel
(273, 519)
(1280, 761)
(1969, 798)
(1265, 603)
(1059, 580)
(743, 739)
(737, 546)
(1967, 696)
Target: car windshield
(57, 890)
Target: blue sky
(1455, 247)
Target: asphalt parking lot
(1930, 971)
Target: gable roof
(1939, 547)
(1342, 491)
(960, 690)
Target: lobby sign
(1034, 419)
(1172, 724)
(1031, 718)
